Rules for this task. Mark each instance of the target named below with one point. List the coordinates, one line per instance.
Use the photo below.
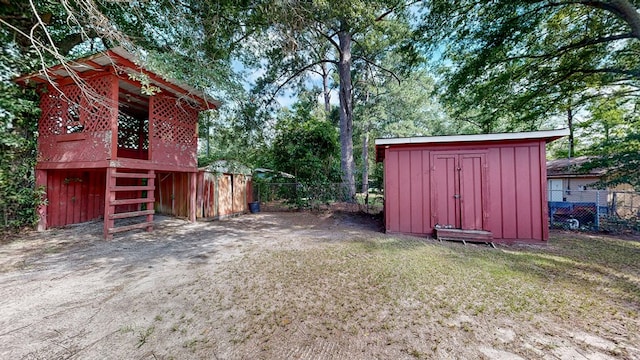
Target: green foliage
(306, 146)
(621, 156)
(18, 115)
(402, 109)
(514, 65)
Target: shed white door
(555, 189)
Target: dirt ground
(174, 294)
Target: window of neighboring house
(555, 190)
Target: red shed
(106, 146)
(474, 187)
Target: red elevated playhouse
(105, 146)
(488, 188)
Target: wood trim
(41, 180)
(131, 188)
(123, 163)
(131, 214)
(133, 201)
(50, 165)
(543, 191)
(109, 207)
(152, 121)
(131, 175)
(114, 117)
(134, 95)
(193, 195)
(71, 137)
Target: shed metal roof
(548, 135)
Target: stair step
(142, 225)
(132, 175)
(130, 214)
(132, 188)
(464, 235)
(132, 201)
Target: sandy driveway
(191, 291)
(66, 293)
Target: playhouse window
(73, 123)
(133, 132)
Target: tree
(612, 129)
(18, 111)
(305, 35)
(513, 65)
(387, 107)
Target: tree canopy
(513, 65)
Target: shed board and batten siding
(497, 185)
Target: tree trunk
(347, 164)
(365, 161)
(325, 88)
(365, 154)
(570, 124)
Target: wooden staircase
(144, 202)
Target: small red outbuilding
(115, 141)
(491, 184)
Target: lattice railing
(173, 123)
(98, 109)
(87, 109)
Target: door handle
(456, 196)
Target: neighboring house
(567, 182)
(489, 186)
(572, 192)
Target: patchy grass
(383, 286)
(317, 286)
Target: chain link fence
(595, 210)
(322, 196)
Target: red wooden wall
(501, 188)
(74, 196)
(173, 126)
(78, 144)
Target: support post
(192, 195)
(597, 210)
(41, 181)
(151, 181)
(109, 198)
